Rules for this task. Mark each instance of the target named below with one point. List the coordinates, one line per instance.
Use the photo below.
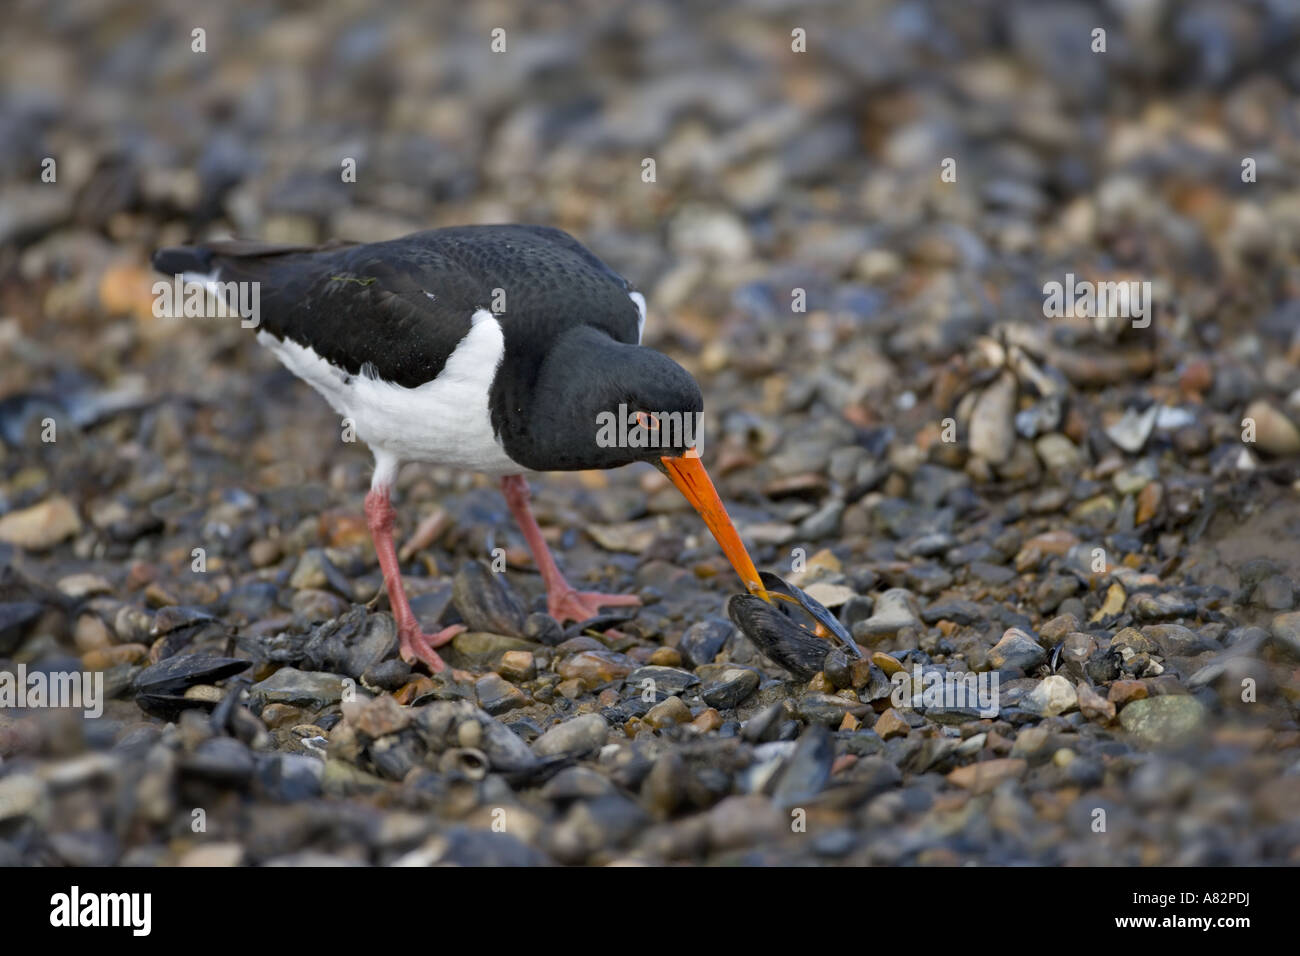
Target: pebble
(317, 605)
(893, 612)
(496, 695)
(1057, 629)
(992, 431)
(1124, 692)
(289, 685)
(704, 640)
(1017, 650)
(41, 526)
(667, 713)
(1275, 434)
(666, 657)
(739, 821)
(806, 772)
(1054, 695)
(1175, 640)
(101, 659)
(593, 668)
(220, 760)
(84, 585)
(827, 709)
(22, 795)
(213, 854)
(91, 633)
(986, 775)
(732, 688)
(890, 725)
(1131, 431)
(482, 647)
(829, 595)
(1274, 593)
(1092, 705)
(1285, 629)
(708, 721)
(518, 666)
(1148, 503)
(1058, 453)
(576, 736)
(1163, 721)
(309, 573)
(664, 681)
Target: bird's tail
(207, 260)
(243, 274)
(179, 260)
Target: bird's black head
(598, 403)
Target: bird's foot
(572, 605)
(418, 646)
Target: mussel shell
(777, 635)
(485, 601)
(170, 706)
(174, 674)
(178, 618)
(816, 610)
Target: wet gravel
(1103, 516)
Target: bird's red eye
(647, 421)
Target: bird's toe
(573, 605)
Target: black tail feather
(181, 259)
(202, 259)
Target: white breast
(445, 421)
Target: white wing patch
(639, 301)
(446, 421)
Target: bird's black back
(402, 306)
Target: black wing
(403, 305)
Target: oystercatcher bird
(497, 349)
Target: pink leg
(416, 645)
(562, 601)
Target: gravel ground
(1101, 513)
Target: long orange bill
(688, 474)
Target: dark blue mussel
(794, 630)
